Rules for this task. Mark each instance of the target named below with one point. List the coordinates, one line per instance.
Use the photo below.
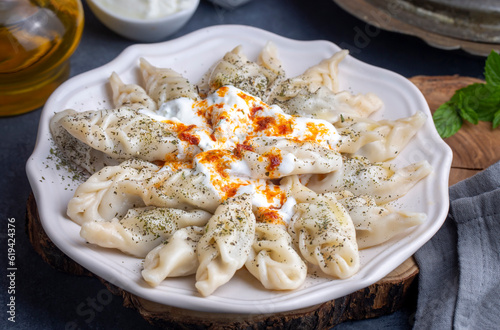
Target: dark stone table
(48, 299)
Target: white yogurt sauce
(229, 117)
(145, 9)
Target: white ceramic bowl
(145, 30)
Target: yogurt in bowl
(144, 20)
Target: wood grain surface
(474, 148)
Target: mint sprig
(473, 103)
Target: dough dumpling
(130, 95)
(273, 260)
(324, 74)
(182, 188)
(295, 188)
(141, 229)
(174, 257)
(378, 141)
(123, 133)
(112, 191)
(226, 244)
(164, 84)
(275, 158)
(384, 181)
(269, 59)
(237, 70)
(76, 151)
(102, 198)
(324, 234)
(330, 106)
(376, 224)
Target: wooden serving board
(474, 147)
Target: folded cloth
(459, 280)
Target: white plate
(191, 55)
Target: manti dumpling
(175, 257)
(112, 191)
(183, 188)
(330, 106)
(102, 197)
(325, 236)
(131, 95)
(376, 224)
(295, 189)
(316, 94)
(141, 229)
(324, 74)
(273, 260)
(76, 151)
(165, 84)
(123, 133)
(269, 59)
(378, 141)
(237, 70)
(269, 158)
(225, 246)
(384, 181)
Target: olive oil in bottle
(37, 37)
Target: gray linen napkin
(459, 280)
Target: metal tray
(473, 26)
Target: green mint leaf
(496, 119)
(476, 102)
(492, 69)
(447, 120)
(482, 98)
(465, 110)
(488, 105)
(475, 93)
(487, 113)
